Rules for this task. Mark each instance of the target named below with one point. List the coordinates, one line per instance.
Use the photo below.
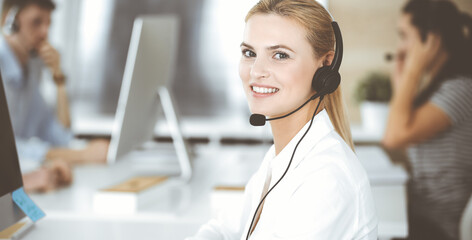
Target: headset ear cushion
(319, 78)
(326, 80)
(333, 79)
(15, 27)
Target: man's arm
(63, 113)
(49, 177)
(51, 57)
(95, 152)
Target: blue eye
(248, 53)
(281, 55)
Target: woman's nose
(260, 69)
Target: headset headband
(338, 54)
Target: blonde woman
(318, 189)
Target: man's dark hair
(8, 4)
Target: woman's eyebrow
(279, 46)
(246, 45)
(268, 48)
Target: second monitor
(149, 71)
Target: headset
(327, 78)
(325, 81)
(11, 24)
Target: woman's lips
(263, 91)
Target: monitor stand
(10, 213)
(166, 155)
(180, 145)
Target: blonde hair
(317, 23)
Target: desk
(388, 182)
(214, 128)
(182, 207)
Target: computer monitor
(10, 174)
(149, 71)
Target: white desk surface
(182, 208)
(214, 128)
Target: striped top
(441, 181)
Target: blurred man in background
(40, 132)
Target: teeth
(264, 90)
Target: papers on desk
(124, 198)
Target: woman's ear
(328, 58)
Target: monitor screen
(10, 175)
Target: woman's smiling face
(277, 64)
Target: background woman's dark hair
(455, 29)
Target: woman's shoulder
(336, 159)
(332, 170)
(460, 82)
(454, 87)
(454, 99)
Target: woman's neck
(287, 128)
(437, 65)
(433, 71)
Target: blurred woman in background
(431, 112)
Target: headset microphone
(257, 120)
(260, 120)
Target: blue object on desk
(27, 205)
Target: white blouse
(324, 195)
